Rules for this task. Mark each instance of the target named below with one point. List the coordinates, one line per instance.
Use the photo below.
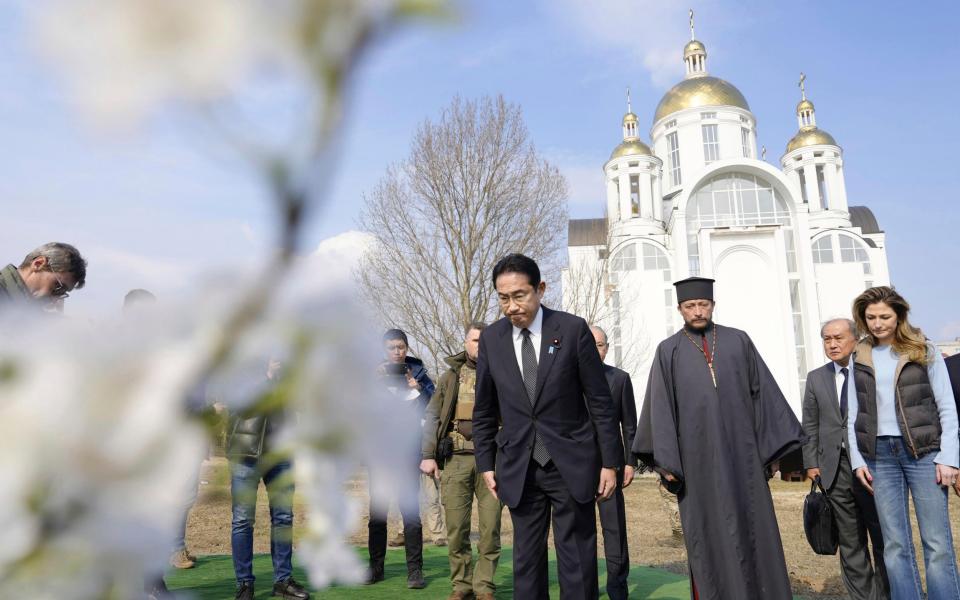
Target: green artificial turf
(212, 579)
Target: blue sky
(158, 209)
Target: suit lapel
(830, 381)
(510, 354)
(548, 332)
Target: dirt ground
(650, 539)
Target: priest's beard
(699, 330)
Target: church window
(822, 186)
(708, 115)
(788, 241)
(795, 306)
(625, 259)
(670, 124)
(743, 119)
(635, 195)
(734, 199)
(803, 186)
(654, 258)
(745, 141)
(852, 250)
(674, 156)
(823, 250)
(711, 143)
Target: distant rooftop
(587, 232)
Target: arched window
(848, 248)
(736, 199)
(625, 259)
(731, 199)
(823, 250)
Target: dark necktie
(843, 394)
(529, 359)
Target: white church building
(787, 249)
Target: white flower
(125, 56)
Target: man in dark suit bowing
(558, 450)
(613, 514)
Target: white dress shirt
(536, 329)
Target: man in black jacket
(539, 373)
(613, 515)
(252, 459)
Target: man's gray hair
(850, 323)
(61, 258)
(600, 329)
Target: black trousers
(545, 498)
(613, 523)
(377, 526)
(856, 515)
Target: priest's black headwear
(694, 288)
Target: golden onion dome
(810, 137)
(804, 106)
(699, 91)
(631, 147)
(694, 47)
(630, 118)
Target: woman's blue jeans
(244, 480)
(896, 476)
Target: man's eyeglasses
(60, 291)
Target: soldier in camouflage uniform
(448, 434)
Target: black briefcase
(818, 521)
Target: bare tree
(472, 190)
(592, 289)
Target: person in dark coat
(825, 455)
(613, 514)
(539, 374)
(406, 378)
(714, 425)
(953, 370)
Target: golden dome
(804, 106)
(630, 118)
(697, 92)
(694, 47)
(631, 148)
(810, 137)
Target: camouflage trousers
(672, 508)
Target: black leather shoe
(290, 589)
(415, 580)
(245, 591)
(374, 575)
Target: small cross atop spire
(803, 90)
(629, 109)
(692, 36)
(763, 153)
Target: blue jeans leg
(279, 483)
(891, 494)
(244, 479)
(930, 504)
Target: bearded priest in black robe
(714, 425)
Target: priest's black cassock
(717, 443)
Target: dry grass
(649, 529)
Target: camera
(398, 369)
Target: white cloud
(650, 31)
(336, 257)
